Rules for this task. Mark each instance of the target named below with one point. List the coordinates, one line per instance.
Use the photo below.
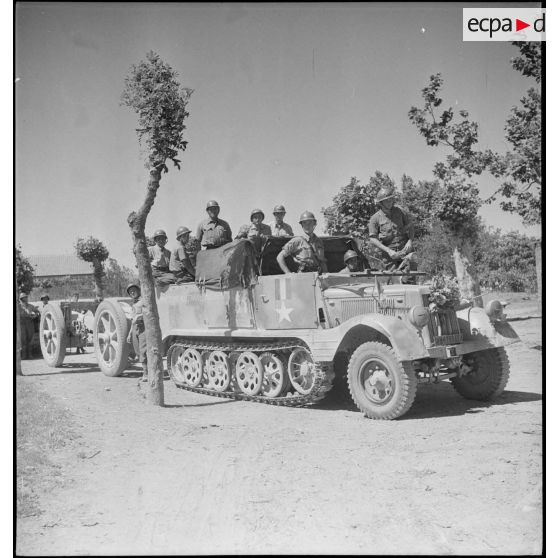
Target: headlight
(494, 309)
(419, 316)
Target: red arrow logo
(519, 25)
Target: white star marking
(284, 312)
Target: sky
(290, 101)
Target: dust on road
(206, 475)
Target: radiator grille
(357, 307)
(443, 326)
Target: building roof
(46, 266)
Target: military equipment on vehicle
(244, 330)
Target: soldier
(392, 231)
(213, 232)
(279, 227)
(351, 261)
(27, 314)
(45, 299)
(306, 250)
(180, 263)
(160, 258)
(256, 231)
(137, 327)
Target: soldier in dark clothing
(180, 263)
(27, 314)
(392, 231)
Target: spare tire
(110, 330)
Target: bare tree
(154, 93)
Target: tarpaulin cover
(231, 265)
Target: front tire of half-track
(381, 386)
(110, 330)
(489, 377)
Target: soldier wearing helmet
(160, 258)
(256, 231)
(279, 227)
(392, 231)
(137, 328)
(213, 232)
(352, 263)
(180, 263)
(306, 250)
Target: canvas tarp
(231, 265)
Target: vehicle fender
(476, 325)
(404, 338)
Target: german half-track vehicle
(247, 331)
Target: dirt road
(207, 475)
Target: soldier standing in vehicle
(27, 314)
(137, 328)
(256, 231)
(213, 232)
(351, 261)
(180, 264)
(160, 258)
(279, 227)
(392, 231)
(306, 250)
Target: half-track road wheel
(110, 330)
(52, 332)
(192, 366)
(488, 375)
(302, 370)
(175, 365)
(218, 371)
(275, 377)
(381, 386)
(249, 373)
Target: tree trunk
(99, 277)
(465, 272)
(136, 221)
(18, 338)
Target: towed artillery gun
(245, 330)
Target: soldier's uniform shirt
(346, 271)
(27, 310)
(26, 314)
(181, 265)
(308, 252)
(283, 229)
(390, 229)
(160, 257)
(252, 231)
(212, 234)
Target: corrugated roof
(59, 265)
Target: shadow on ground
(434, 401)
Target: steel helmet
(255, 212)
(307, 216)
(159, 232)
(385, 193)
(182, 230)
(349, 254)
(45, 296)
(132, 285)
(279, 209)
(211, 203)
(23, 295)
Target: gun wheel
(53, 337)
(218, 371)
(275, 379)
(110, 330)
(302, 370)
(249, 373)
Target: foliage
(24, 272)
(117, 278)
(444, 293)
(91, 250)
(153, 92)
(45, 284)
(420, 199)
(521, 167)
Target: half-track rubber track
(323, 382)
